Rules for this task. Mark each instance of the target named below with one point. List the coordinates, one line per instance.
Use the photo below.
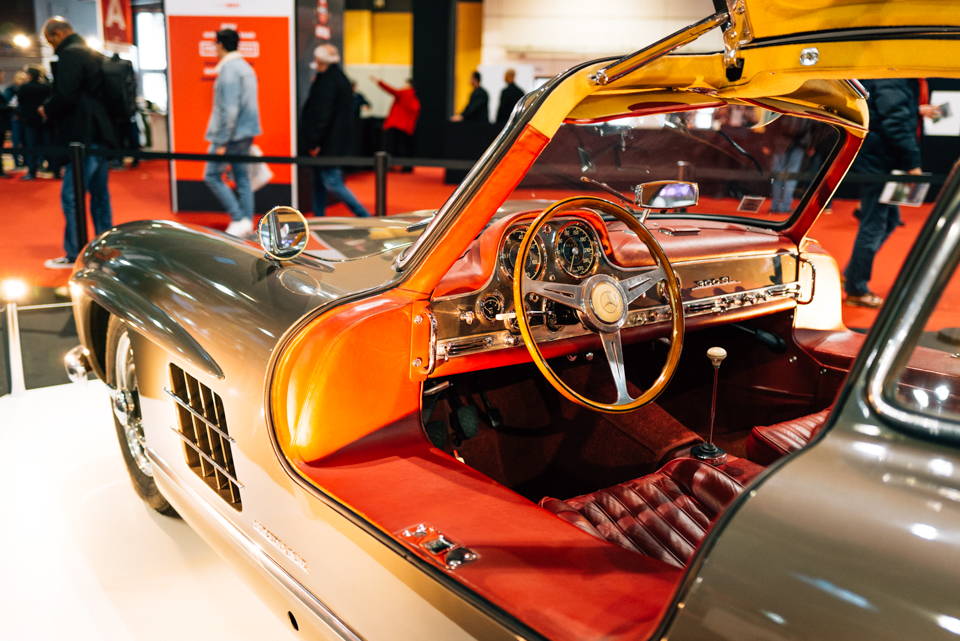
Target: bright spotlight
(13, 289)
(21, 41)
(94, 43)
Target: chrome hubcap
(125, 404)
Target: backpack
(119, 88)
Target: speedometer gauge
(576, 250)
(511, 247)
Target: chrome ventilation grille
(203, 430)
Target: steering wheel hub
(607, 302)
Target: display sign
(266, 42)
(948, 122)
(117, 20)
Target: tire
(122, 375)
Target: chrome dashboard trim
(502, 339)
(333, 623)
(676, 265)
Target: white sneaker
(240, 228)
(59, 263)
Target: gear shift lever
(708, 451)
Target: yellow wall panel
(392, 38)
(469, 40)
(357, 37)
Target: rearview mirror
(667, 194)
(283, 233)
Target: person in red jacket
(401, 122)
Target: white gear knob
(716, 355)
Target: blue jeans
(239, 206)
(877, 222)
(32, 137)
(95, 175)
(782, 190)
(331, 179)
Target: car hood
(338, 240)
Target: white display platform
(81, 557)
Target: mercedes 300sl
(604, 392)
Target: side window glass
(929, 383)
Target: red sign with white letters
(117, 21)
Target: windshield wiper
(610, 190)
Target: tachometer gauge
(511, 247)
(576, 250)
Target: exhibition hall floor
(83, 557)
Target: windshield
(748, 162)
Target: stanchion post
(77, 154)
(381, 162)
(17, 385)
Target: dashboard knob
(468, 317)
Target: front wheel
(125, 403)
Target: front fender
(130, 306)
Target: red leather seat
(768, 443)
(664, 515)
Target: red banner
(117, 21)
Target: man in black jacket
(476, 109)
(890, 144)
(32, 95)
(509, 98)
(76, 109)
(326, 123)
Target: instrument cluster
(572, 245)
(564, 250)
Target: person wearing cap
(326, 124)
(234, 121)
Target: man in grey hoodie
(234, 122)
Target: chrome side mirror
(283, 233)
(667, 194)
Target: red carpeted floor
(34, 224)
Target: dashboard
(724, 271)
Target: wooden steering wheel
(602, 302)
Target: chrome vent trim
(203, 430)
(455, 348)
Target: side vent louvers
(203, 430)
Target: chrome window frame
(942, 257)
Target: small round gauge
(511, 247)
(576, 250)
(491, 305)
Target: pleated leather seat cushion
(664, 515)
(767, 443)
